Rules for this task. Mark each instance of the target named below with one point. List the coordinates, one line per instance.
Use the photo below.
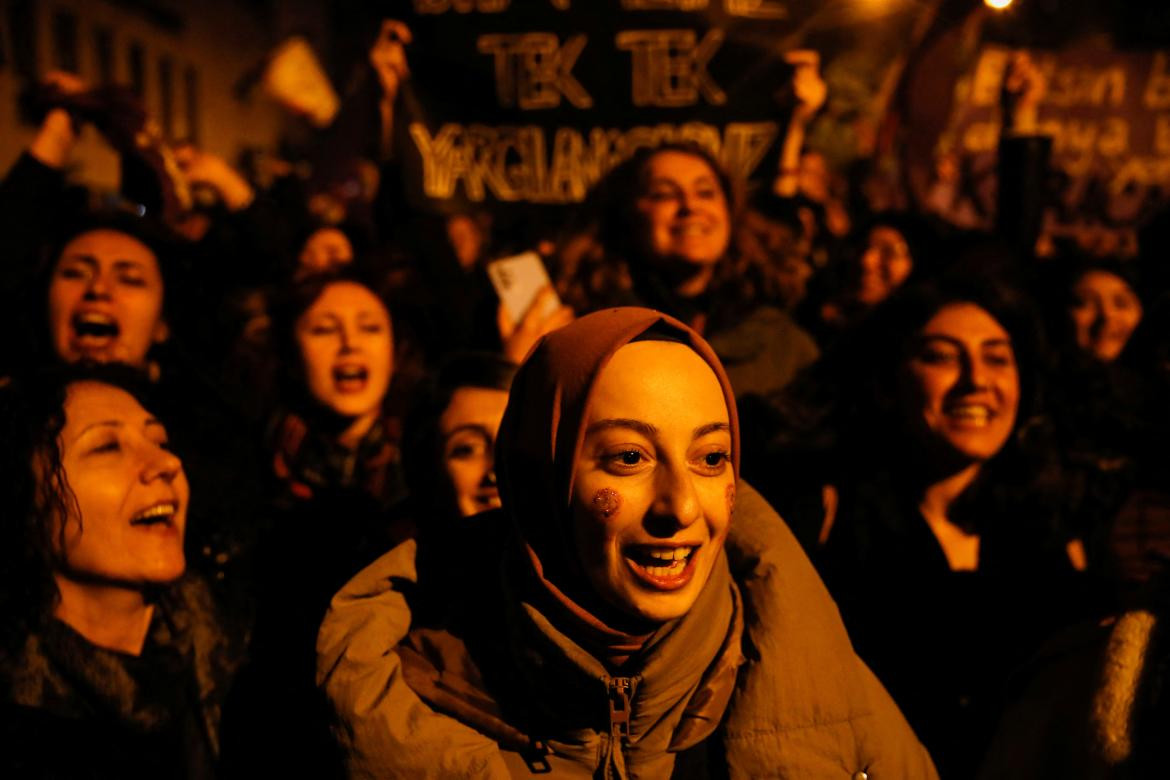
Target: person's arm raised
(811, 92)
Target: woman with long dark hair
(933, 509)
(114, 661)
(664, 239)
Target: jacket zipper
(620, 691)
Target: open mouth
(489, 498)
(94, 330)
(349, 378)
(690, 230)
(161, 515)
(661, 567)
(970, 415)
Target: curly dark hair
(614, 270)
(35, 492)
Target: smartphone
(517, 280)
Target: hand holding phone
(517, 280)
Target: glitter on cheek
(730, 500)
(606, 503)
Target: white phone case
(517, 280)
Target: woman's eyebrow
(939, 337)
(85, 259)
(98, 424)
(644, 428)
(713, 427)
(468, 428)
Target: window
(191, 93)
(65, 54)
(166, 96)
(22, 34)
(137, 63)
(103, 49)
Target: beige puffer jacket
(805, 706)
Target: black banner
(534, 100)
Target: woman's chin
(657, 605)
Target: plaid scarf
(307, 462)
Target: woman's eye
(372, 328)
(624, 460)
(322, 330)
(113, 445)
(132, 281)
(465, 451)
(714, 463)
(71, 272)
(999, 360)
(937, 357)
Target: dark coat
(75, 710)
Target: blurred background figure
(665, 240)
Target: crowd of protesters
(288, 490)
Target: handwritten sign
(1109, 116)
(535, 101)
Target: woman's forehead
(965, 320)
(658, 382)
(87, 401)
(109, 245)
(348, 296)
(676, 164)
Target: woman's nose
(676, 500)
(347, 339)
(489, 475)
(161, 464)
(1100, 321)
(976, 374)
(871, 259)
(97, 288)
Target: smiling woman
(657, 416)
(935, 524)
(97, 610)
(665, 223)
(601, 622)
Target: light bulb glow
(998, 5)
